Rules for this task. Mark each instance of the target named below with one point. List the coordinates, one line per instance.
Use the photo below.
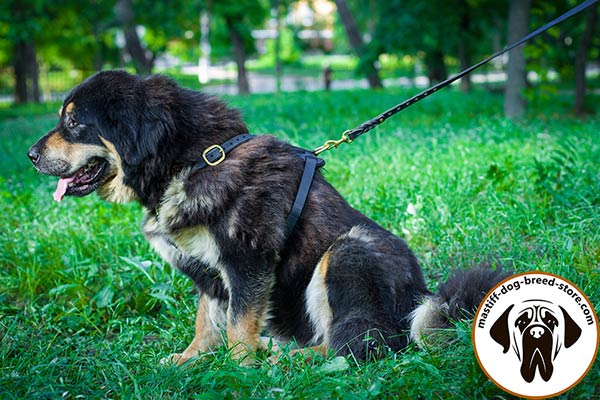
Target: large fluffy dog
(337, 281)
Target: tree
(235, 32)
(142, 59)
(162, 22)
(26, 70)
(479, 22)
(564, 49)
(356, 41)
(581, 57)
(26, 22)
(279, 9)
(76, 37)
(406, 27)
(518, 26)
(40, 34)
(436, 30)
(239, 18)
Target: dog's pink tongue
(61, 188)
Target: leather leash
(351, 134)
(215, 154)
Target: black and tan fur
(340, 281)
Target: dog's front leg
(250, 291)
(210, 319)
(212, 295)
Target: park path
(262, 83)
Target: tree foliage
(436, 29)
(444, 35)
(557, 49)
(63, 31)
(368, 65)
(237, 19)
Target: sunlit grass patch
(87, 308)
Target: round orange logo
(535, 335)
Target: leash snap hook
(332, 144)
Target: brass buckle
(219, 160)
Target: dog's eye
(71, 123)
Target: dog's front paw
(177, 358)
(243, 354)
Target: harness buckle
(218, 160)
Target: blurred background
(258, 46)
(88, 310)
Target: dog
(537, 330)
(337, 281)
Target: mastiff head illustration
(537, 330)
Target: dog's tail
(456, 299)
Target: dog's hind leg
(363, 322)
(317, 302)
(359, 295)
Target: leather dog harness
(216, 154)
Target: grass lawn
(87, 310)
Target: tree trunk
(581, 58)
(464, 50)
(126, 16)
(239, 54)
(205, 49)
(34, 73)
(356, 42)
(516, 80)
(26, 70)
(465, 62)
(20, 73)
(98, 60)
(436, 68)
(278, 70)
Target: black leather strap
(215, 154)
(311, 163)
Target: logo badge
(535, 335)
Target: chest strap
(216, 154)
(311, 163)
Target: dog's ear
(499, 331)
(137, 131)
(572, 330)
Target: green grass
(9, 110)
(87, 310)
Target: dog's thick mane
(157, 127)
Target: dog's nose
(34, 155)
(536, 332)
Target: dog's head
(108, 125)
(536, 330)
(117, 129)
